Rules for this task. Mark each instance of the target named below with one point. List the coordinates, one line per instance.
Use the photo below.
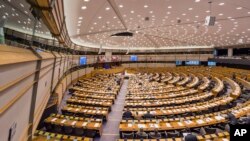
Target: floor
(111, 127)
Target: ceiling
(17, 16)
(170, 24)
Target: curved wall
(25, 86)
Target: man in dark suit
(127, 114)
(148, 115)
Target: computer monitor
(133, 58)
(178, 63)
(83, 60)
(211, 63)
(193, 62)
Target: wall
(17, 73)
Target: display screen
(210, 63)
(178, 63)
(83, 60)
(192, 62)
(133, 58)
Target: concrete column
(230, 52)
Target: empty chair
(48, 126)
(57, 128)
(144, 136)
(90, 133)
(67, 129)
(173, 134)
(227, 127)
(210, 130)
(79, 131)
(163, 134)
(155, 134)
(190, 137)
(128, 135)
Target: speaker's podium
(210, 21)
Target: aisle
(111, 127)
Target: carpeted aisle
(111, 127)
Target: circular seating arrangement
(177, 104)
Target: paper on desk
(188, 122)
(73, 123)
(54, 119)
(208, 119)
(224, 139)
(180, 124)
(200, 121)
(219, 117)
(96, 125)
(130, 125)
(141, 125)
(84, 123)
(63, 121)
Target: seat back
(128, 135)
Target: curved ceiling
(157, 23)
(17, 16)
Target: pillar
(230, 52)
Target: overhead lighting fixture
(120, 6)
(84, 7)
(190, 8)
(239, 8)
(221, 3)
(197, 0)
(21, 5)
(107, 8)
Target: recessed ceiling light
(220, 14)
(145, 6)
(86, 0)
(21, 5)
(99, 17)
(151, 12)
(184, 14)
(80, 18)
(221, 3)
(239, 8)
(169, 7)
(84, 7)
(197, 0)
(120, 6)
(132, 11)
(107, 8)
(190, 8)
(95, 23)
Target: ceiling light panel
(160, 23)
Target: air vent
(122, 34)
